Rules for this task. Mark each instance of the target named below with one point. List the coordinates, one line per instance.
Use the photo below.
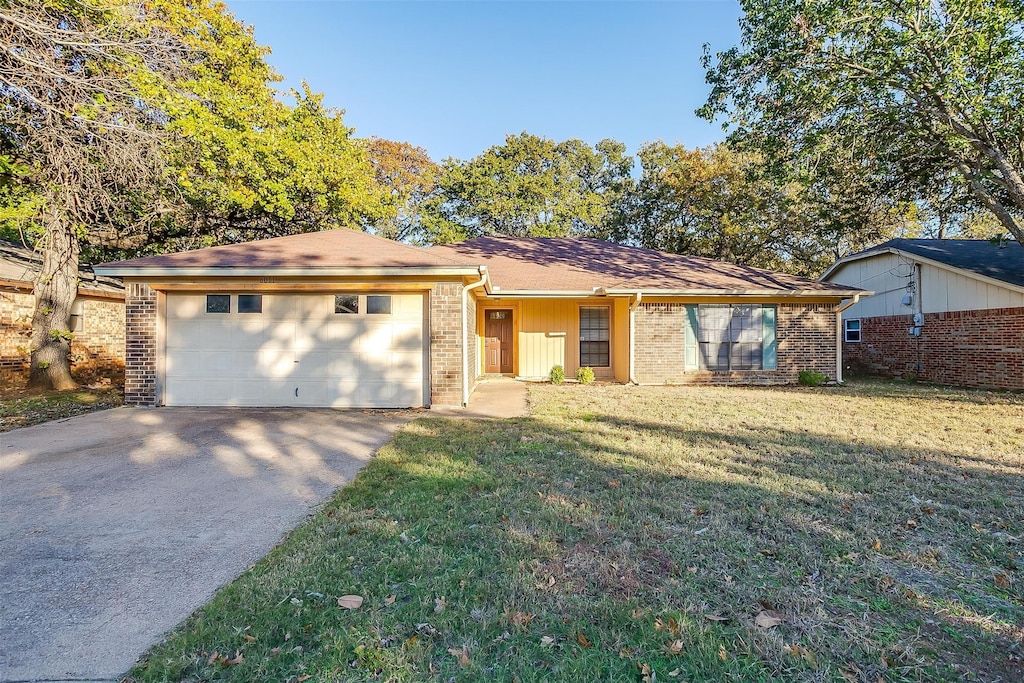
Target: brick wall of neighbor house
(140, 345)
(980, 348)
(805, 335)
(97, 352)
(472, 346)
(446, 344)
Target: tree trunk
(55, 290)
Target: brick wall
(140, 345)
(982, 348)
(446, 344)
(472, 345)
(805, 337)
(97, 351)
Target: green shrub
(810, 378)
(585, 375)
(557, 374)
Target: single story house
(97, 321)
(946, 311)
(342, 318)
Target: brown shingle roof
(20, 265)
(567, 264)
(340, 248)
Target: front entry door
(498, 341)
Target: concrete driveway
(115, 526)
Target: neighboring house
(947, 311)
(342, 318)
(98, 321)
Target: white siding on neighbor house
(942, 290)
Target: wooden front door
(498, 341)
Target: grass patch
(23, 408)
(637, 533)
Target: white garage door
(338, 350)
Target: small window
(250, 303)
(595, 326)
(218, 303)
(497, 315)
(346, 303)
(852, 330)
(377, 304)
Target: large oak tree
(909, 94)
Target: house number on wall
(266, 280)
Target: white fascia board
(779, 293)
(284, 272)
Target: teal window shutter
(690, 353)
(769, 348)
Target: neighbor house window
(218, 303)
(250, 303)
(729, 337)
(346, 303)
(852, 330)
(594, 335)
(378, 304)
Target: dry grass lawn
(865, 533)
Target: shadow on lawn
(789, 517)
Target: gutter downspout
(839, 336)
(632, 335)
(465, 340)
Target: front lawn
(626, 533)
(25, 407)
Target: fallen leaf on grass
(646, 675)
(547, 641)
(768, 618)
(462, 654)
(583, 641)
(304, 677)
(248, 638)
(350, 602)
(390, 600)
(722, 654)
(675, 647)
(239, 658)
(614, 484)
(717, 619)
(519, 619)
(1001, 580)
(877, 545)
(911, 523)
(439, 605)
(674, 673)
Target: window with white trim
(595, 333)
(851, 330)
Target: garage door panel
(297, 351)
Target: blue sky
(456, 77)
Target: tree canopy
(529, 187)
(912, 94)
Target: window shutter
(690, 350)
(769, 353)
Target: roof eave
(151, 272)
(781, 293)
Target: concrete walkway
(115, 526)
(493, 398)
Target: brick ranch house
(97, 321)
(341, 318)
(947, 311)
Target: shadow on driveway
(115, 526)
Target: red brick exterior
(805, 335)
(140, 386)
(97, 350)
(980, 348)
(446, 344)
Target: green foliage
(409, 177)
(910, 98)
(62, 335)
(585, 375)
(529, 187)
(811, 378)
(557, 374)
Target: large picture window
(730, 337)
(595, 326)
